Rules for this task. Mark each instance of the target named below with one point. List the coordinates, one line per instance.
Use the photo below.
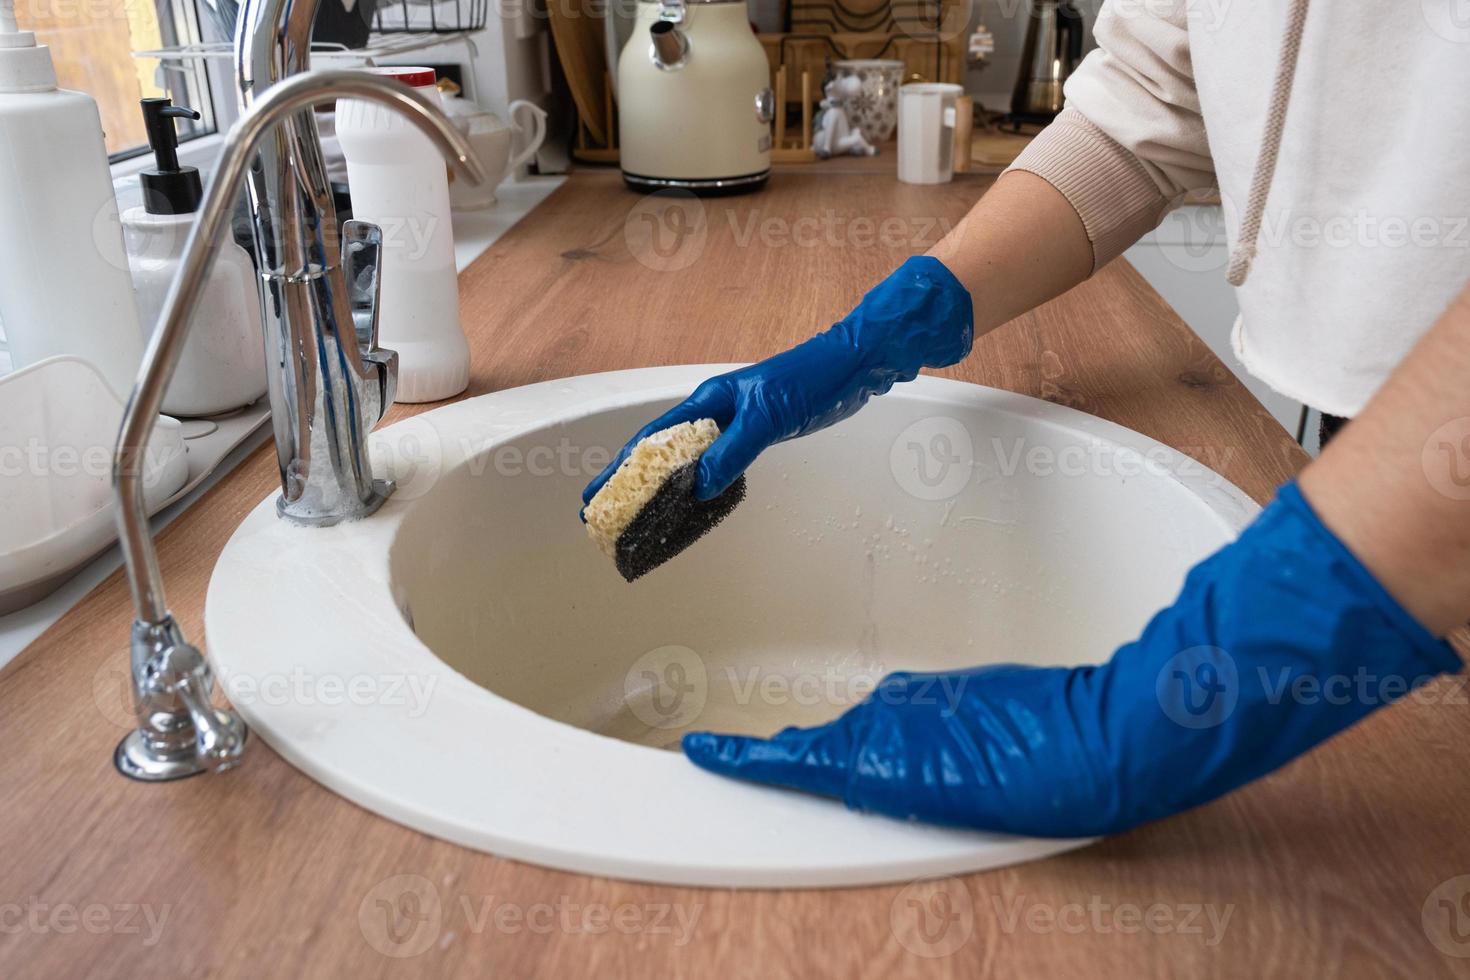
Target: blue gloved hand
(1277, 642)
(920, 316)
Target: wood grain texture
(1322, 868)
(578, 37)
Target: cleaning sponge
(647, 513)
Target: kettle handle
(537, 129)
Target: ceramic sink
(467, 663)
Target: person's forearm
(1021, 245)
(1395, 484)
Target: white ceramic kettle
(694, 99)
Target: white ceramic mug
(926, 118)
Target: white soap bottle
(64, 282)
(398, 181)
(222, 365)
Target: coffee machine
(1052, 51)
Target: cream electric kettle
(694, 99)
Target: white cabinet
(1185, 259)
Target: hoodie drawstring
(1244, 252)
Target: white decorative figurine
(835, 134)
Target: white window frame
(215, 85)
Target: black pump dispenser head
(168, 188)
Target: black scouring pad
(671, 521)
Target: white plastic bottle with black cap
(64, 282)
(398, 181)
(222, 365)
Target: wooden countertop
(1321, 868)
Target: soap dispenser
(222, 365)
(64, 286)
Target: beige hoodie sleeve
(1131, 142)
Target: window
(92, 44)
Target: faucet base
(137, 759)
(307, 515)
(179, 731)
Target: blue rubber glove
(1203, 702)
(920, 316)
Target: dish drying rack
(430, 16)
(61, 415)
(380, 48)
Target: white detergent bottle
(398, 182)
(64, 281)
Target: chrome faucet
(336, 384)
(329, 381)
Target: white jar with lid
(398, 181)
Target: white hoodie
(1364, 218)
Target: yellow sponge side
(639, 477)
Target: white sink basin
(466, 662)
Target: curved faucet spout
(166, 731)
(279, 102)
